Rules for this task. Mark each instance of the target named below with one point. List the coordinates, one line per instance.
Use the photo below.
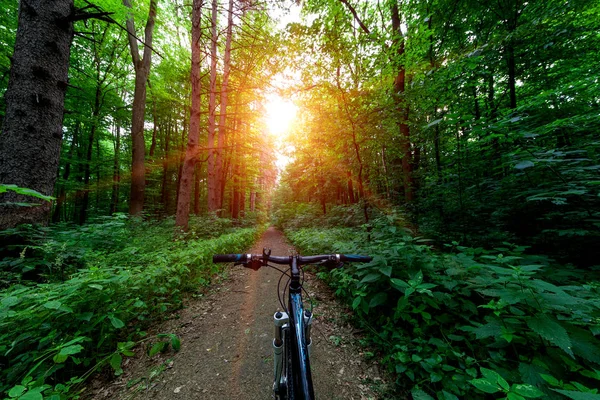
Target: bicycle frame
(292, 344)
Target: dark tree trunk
(213, 187)
(138, 146)
(88, 159)
(399, 88)
(350, 188)
(165, 165)
(512, 75)
(221, 169)
(197, 174)
(191, 153)
(32, 127)
(62, 193)
(114, 202)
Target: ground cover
(77, 298)
(466, 322)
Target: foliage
(294, 215)
(116, 276)
(469, 322)
(24, 191)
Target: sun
(279, 115)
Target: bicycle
(292, 342)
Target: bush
(471, 322)
(53, 332)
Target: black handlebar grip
(223, 258)
(354, 258)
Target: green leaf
(525, 390)
(418, 394)
(65, 352)
(95, 286)
(115, 363)
(17, 391)
(10, 301)
(524, 164)
(175, 342)
(449, 396)
(386, 270)
(552, 331)
(550, 379)
(24, 191)
(32, 396)
(53, 305)
(399, 284)
(116, 322)
(157, 348)
(572, 394)
(371, 278)
(356, 302)
(514, 396)
(379, 299)
(485, 386)
(494, 377)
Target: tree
(191, 153)
(142, 69)
(32, 128)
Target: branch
(356, 17)
(84, 16)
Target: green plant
(439, 318)
(60, 330)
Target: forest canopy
(455, 140)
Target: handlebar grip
(354, 258)
(223, 258)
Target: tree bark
(191, 153)
(399, 88)
(213, 187)
(114, 202)
(165, 165)
(219, 162)
(62, 193)
(88, 160)
(32, 127)
(138, 146)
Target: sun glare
(280, 113)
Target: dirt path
(226, 348)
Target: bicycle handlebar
(286, 260)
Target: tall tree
(191, 153)
(213, 187)
(32, 128)
(142, 69)
(220, 173)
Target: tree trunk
(219, 162)
(90, 146)
(350, 188)
(32, 127)
(197, 174)
(213, 187)
(62, 194)
(399, 88)
(191, 153)
(138, 146)
(114, 202)
(165, 165)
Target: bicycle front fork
(281, 321)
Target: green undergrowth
(468, 322)
(80, 297)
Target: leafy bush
(296, 215)
(53, 332)
(471, 322)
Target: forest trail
(226, 350)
